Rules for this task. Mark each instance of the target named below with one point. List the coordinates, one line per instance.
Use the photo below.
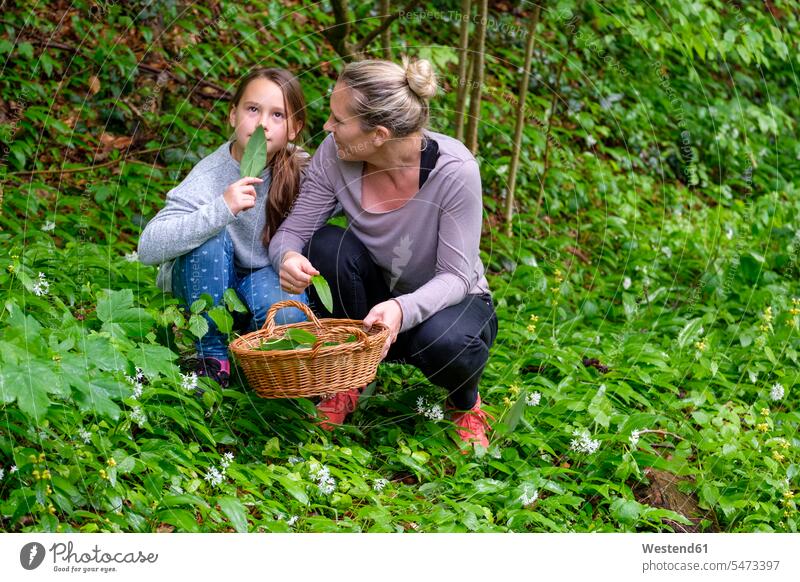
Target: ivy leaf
(198, 325)
(233, 301)
(220, 316)
(254, 159)
(154, 359)
(116, 307)
(324, 291)
(95, 396)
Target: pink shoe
(334, 409)
(471, 425)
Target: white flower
(433, 412)
(528, 496)
(213, 476)
(420, 405)
(634, 438)
(584, 443)
(48, 226)
(379, 484)
(132, 257)
(626, 283)
(136, 382)
(777, 392)
(294, 460)
(325, 483)
(13, 469)
(227, 459)
(292, 520)
(2, 473)
(189, 381)
(590, 141)
(138, 416)
(85, 435)
(41, 287)
(533, 399)
(667, 252)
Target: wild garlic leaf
(254, 159)
(324, 291)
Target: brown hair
(286, 165)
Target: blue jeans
(210, 269)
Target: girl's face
(352, 142)
(262, 106)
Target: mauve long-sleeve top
(428, 249)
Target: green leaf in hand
(324, 291)
(254, 159)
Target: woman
(409, 257)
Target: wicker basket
(317, 371)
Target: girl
(213, 233)
(410, 255)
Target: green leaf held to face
(254, 159)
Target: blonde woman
(409, 257)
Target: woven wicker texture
(317, 371)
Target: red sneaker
(471, 425)
(334, 409)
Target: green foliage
(648, 314)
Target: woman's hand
(390, 314)
(296, 273)
(241, 195)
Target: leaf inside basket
(296, 339)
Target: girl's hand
(388, 313)
(241, 195)
(296, 273)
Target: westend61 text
(670, 549)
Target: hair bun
(420, 77)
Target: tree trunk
(463, 68)
(553, 106)
(386, 34)
(477, 79)
(339, 32)
(520, 124)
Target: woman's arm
(457, 252)
(313, 207)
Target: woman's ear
(380, 136)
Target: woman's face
(262, 106)
(352, 142)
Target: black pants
(451, 347)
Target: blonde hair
(391, 95)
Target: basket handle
(361, 338)
(269, 323)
